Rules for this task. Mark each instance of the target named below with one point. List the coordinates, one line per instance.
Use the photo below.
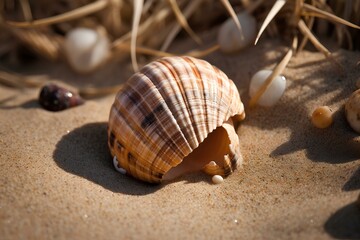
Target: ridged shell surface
(165, 111)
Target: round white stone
(229, 36)
(86, 49)
(274, 91)
(217, 179)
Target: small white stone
(274, 91)
(217, 179)
(119, 169)
(86, 49)
(229, 36)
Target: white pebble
(119, 169)
(217, 179)
(86, 49)
(274, 91)
(229, 36)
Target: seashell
(55, 98)
(86, 49)
(352, 110)
(229, 36)
(174, 116)
(273, 93)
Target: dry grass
(41, 26)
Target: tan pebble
(352, 110)
(217, 179)
(322, 117)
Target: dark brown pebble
(55, 98)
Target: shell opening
(216, 147)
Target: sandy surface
(298, 182)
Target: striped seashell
(174, 116)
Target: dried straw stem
(304, 30)
(93, 92)
(232, 13)
(45, 44)
(20, 81)
(183, 22)
(148, 51)
(71, 15)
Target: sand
(298, 182)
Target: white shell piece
(229, 36)
(212, 163)
(217, 179)
(86, 49)
(274, 91)
(119, 169)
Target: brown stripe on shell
(192, 136)
(141, 108)
(213, 94)
(136, 118)
(153, 132)
(127, 134)
(161, 79)
(199, 80)
(112, 139)
(166, 127)
(195, 97)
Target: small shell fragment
(322, 117)
(55, 98)
(217, 179)
(273, 93)
(116, 165)
(212, 163)
(229, 36)
(352, 110)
